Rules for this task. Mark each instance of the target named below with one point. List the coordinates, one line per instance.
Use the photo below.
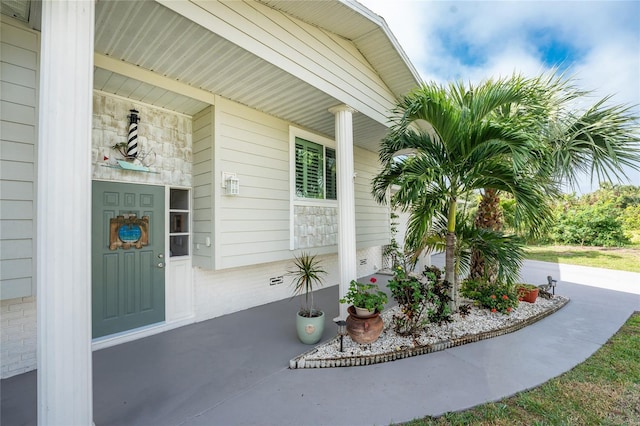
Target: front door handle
(161, 265)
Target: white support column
(65, 390)
(346, 200)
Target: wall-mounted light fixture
(230, 183)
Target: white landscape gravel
(477, 325)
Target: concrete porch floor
(233, 370)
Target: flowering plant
(367, 296)
(496, 297)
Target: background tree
(598, 141)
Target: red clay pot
(529, 296)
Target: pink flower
(493, 296)
(493, 310)
(509, 309)
(505, 297)
(373, 280)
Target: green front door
(127, 256)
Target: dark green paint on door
(128, 285)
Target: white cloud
(603, 38)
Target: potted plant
(364, 324)
(367, 299)
(307, 274)
(527, 292)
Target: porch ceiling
(149, 36)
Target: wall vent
(276, 280)
(363, 262)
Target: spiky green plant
(307, 275)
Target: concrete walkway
(233, 370)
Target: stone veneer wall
(315, 226)
(165, 135)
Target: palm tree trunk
(450, 268)
(489, 216)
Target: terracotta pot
(364, 330)
(529, 296)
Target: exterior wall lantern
(230, 183)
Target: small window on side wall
(179, 232)
(315, 170)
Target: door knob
(161, 265)
(161, 256)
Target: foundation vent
(276, 280)
(363, 262)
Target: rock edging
(351, 361)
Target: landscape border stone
(301, 361)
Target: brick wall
(18, 325)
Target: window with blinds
(315, 170)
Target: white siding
(203, 191)
(18, 133)
(373, 221)
(252, 227)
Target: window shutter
(309, 169)
(330, 173)
(299, 168)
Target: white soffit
(148, 36)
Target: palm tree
(445, 142)
(599, 141)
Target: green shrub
(630, 218)
(422, 299)
(412, 295)
(497, 297)
(589, 225)
(607, 217)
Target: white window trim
(295, 132)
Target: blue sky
(597, 42)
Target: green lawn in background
(603, 390)
(622, 259)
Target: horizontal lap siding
(18, 85)
(203, 191)
(372, 219)
(252, 227)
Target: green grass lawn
(603, 390)
(622, 259)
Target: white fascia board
(382, 24)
